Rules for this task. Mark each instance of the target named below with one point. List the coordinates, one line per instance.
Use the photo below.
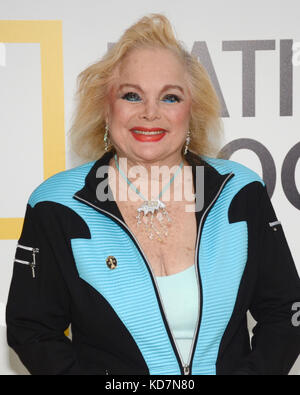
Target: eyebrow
(165, 88)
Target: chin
(150, 155)
(155, 155)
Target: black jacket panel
(51, 289)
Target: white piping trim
(23, 262)
(271, 224)
(27, 248)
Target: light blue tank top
(179, 293)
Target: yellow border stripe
(10, 228)
(49, 35)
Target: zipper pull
(186, 369)
(33, 263)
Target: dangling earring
(187, 142)
(106, 138)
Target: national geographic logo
(49, 35)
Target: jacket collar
(213, 182)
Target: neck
(150, 177)
(148, 167)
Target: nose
(150, 111)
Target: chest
(176, 251)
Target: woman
(152, 284)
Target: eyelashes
(135, 98)
(131, 96)
(171, 98)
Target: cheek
(180, 116)
(119, 113)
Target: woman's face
(150, 94)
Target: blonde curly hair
(94, 83)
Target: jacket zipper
(31, 264)
(185, 368)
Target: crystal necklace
(155, 224)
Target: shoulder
(243, 175)
(61, 185)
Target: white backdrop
(246, 46)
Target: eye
(170, 98)
(131, 96)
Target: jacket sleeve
(38, 312)
(276, 336)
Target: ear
(106, 114)
(107, 110)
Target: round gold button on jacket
(111, 262)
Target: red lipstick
(140, 133)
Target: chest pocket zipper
(32, 264)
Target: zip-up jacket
(63, 277)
